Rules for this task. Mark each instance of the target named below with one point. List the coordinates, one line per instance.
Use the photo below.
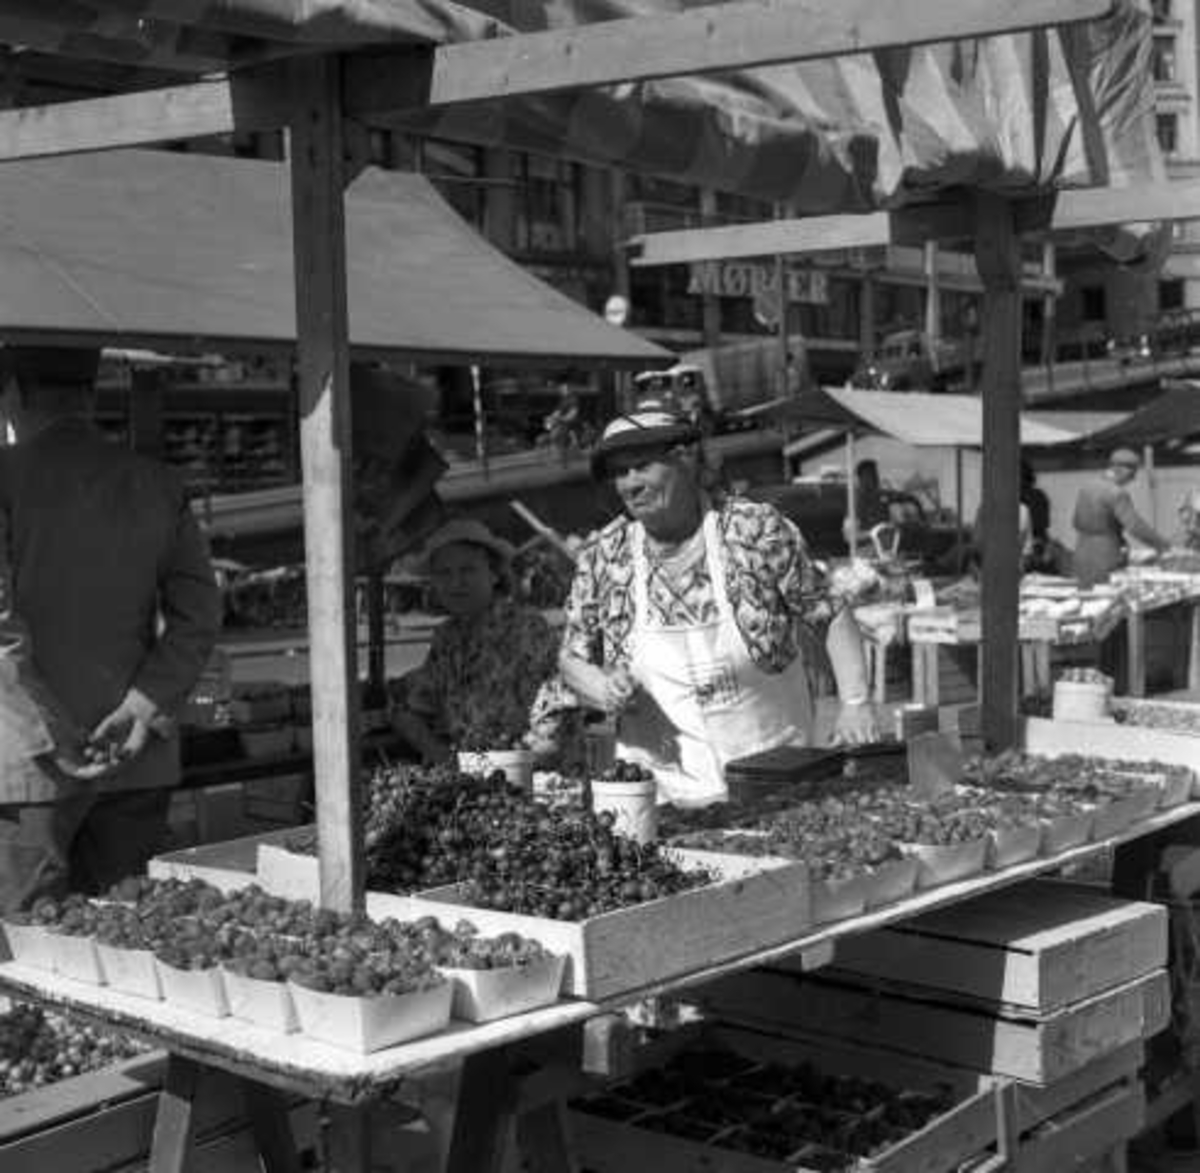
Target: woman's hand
(610, 689)
(856, 724)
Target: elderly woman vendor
(693, 618)
(486, 662)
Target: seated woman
(489, 659)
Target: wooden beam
(998, 256)
(715, 37)
(1072, 210)
(258, 100)
(739, 34)
(767, 237)
(319, 228)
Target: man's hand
(856, 725)
(128, 726)
(80, 768)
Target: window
(455, 171)
(1160, 10)
(549, 205)
(1162, 60)
(1166, 129)
(1095, 304)
(1170, 295)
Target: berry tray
(267, 1004)
(482, 995)
(130, 971)
(370, 1024)
(944, 863)
(839, 897)
(199, 990)
(1064, 832)
(1121, 813)
(30, 945)
(1014, 844)
(76, 957)
(892, 881)
(741, 911)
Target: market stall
(313, 95)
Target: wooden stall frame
(309, 96)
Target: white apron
(713, 702)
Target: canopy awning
(1012, 112)
(921, 418)
(158, 248)
(1173, 415)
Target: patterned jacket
(780, 599)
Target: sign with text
(754, 279)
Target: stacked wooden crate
(1040, 986)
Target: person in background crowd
(1105, 518)
(1189, 520)
(1037, 553)
(486, 663)
(697, 619)
(868, 496)
(109, 611)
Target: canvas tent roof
(1013, 112)
(920, 418)
(139, 247)
(1173, 415)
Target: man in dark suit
(110, 614)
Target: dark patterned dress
(481, 676)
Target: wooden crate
(754, 904)
(985, 1037)
(1106, 740)
(645, 944)
(968, 1132)
(229, 865)
(1040, 945)
(945, 625)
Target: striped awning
(1016, 112)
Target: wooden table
(1135, 637)
(489, 1101)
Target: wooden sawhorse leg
(487, 1095)
(269, 1124)
(485, 1115)
(926, 685)
(172, 1139)
(1135, 641)
(173, 1121)
(543, 1141)
(1193, 671)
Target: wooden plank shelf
(1041, 946)
(1032, 1049)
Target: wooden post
(851, 496)
(933, 297)
(866, 310)
(318, 224)
(376, 635)
(960, 528)
(145, 411)
(710, 304)
(998, 257)
(1049, 345)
